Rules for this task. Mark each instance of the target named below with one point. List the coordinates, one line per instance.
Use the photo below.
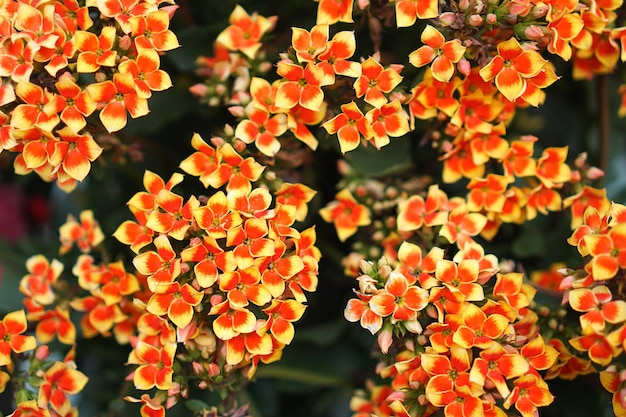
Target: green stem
(604, 120)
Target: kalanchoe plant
(219, 276)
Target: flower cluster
(62, 63)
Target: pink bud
(575, 177)
(534, 32)
(239, 146)
(197, 367)
(125, 43)
(237, 111)
(447, 18)
(42, 352)
(492, 18)
(199, 90)
(464, 67)
(475, 20)
(100, 76)
(217, 141)
(213, 369)
(464, 4)
(396, 396)
(363, 4)
(216, 299)
(385, 338)
(539, 11)
(170, 10)
(594, 173)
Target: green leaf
(377, 163)
(196, 406)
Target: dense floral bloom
(86, 234)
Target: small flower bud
(464, 4)
(363, 4)
(199, 90)
(594, 173)
(475, 20)
(447, 18)
(491, 18)
(42, 352)
(464, 66)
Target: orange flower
(416, 212)
(155, 365)
(95, 51)
(54, 323)
(479, 330)
(30, 409)
(262, 129)
(172, 217)
(408, 11)
(346, 213)
(487, 193)
(11, 338)
(86, 235)
(459, 163)
(235, 171)
(16, 59)
(376, 80)
(123, 10)
(350, 125)
(245, 32)
(598, 308)
(78, 103)
(232, 322)
(278, 269)
(209, 258)
(297, 195)
(334, 60)
(216, 216)
(399, 300)
(462, 225)
(442, 54)
(551, 167)
(299, 117)
(518, 160)
(608, 252)
(388, 120)
(587, 197)
(202, 163)
(40, 108)
(333, 11)
(496, 365)
(460, 277)
(39, 282)
(146, 73)
(249, 241)
(134, 234)
(161, 267)
(60, 380)
(511, 67)
(563, 30)
(308, 45)
(151, 32)
(530, 392)
(300, 86)
(281, 314)
(117, 97)
(175, 300)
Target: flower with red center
(245, 32)
(297, 195)
(511, 67)
(152, 32)
(346, 213)
(155, 365)
(539, 355)
(299, 117)
(510, 287)
(530, 392)
(151, 407)
(117, 97)
(40, 108)
(497, 365)
(541, 199)
(60, 380)
(202, 163)
(86, 234)
(487, 193)
(442, 54)
(209, 259)
(333, 11)
(518, 160)
(462, 225)
(95, 51)
(334, 60)
(594, 223)
(249, 242)
(36, 24)
(42, 276)
(230, 322)
(408, 11)
(30, 409)
(308, 45)
(172, 217)
(300, 86)
(73, 15)
(216, 216)
(17, 57)
(479, 330)
(415, 212)
(598, 308)
(477, 112)
(418, 268)
(281, 315)
(277, 269)
(459, 163)
(175, 300)
(123, 10)
(134, 234)
(146, 73)
(587, 197)
(115, 283)
(244, 286)
(235, 171)
(162, 266)
(608, 252)
(388, 120)
(262, 129)
(375, 80)
(78, 103)
(399, 300)
(54, 323)
(350, 125)
(358, 309)
(460, 277)
(11, 338)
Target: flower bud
(475, 20)
(447, 18)
(492, 18)
(363, 4)
(464, 67)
